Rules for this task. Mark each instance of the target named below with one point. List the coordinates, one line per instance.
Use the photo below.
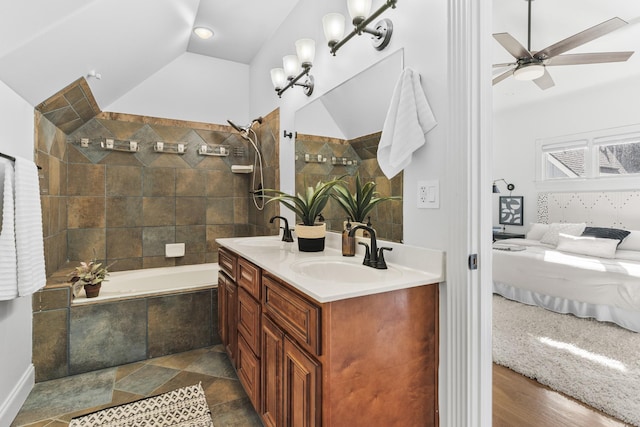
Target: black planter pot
(311, 245)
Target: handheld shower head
(240, 129)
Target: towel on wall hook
(408, 120)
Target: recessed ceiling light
(203, 32)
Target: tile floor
(53, 403)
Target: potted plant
(90, 275)
(359, 204)
(308, 206)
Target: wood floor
(522, 402)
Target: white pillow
(537, 230)
(551, 236)
(631, 242)
(628, 255)
(583, 245)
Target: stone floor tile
(179, 360)
(56, 397)
(146, 379)
(214, 364)
(118, 398)
(223, 390)
(184, 379)
(238, 413)
(124, 370)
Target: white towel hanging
(408, 120)
(28, 220)
(8, 262)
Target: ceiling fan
(531, 65)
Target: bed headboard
(620, 209)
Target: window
(607, 154)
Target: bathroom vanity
(318, 339)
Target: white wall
(516, 130)
(192, 87)
(419, 28)
(16, 370)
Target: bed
(595, 275)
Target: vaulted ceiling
(46, 45)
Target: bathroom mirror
(338, 134)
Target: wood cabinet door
(222, 309)
(301, 387)
(249, 311)
(249, 371)
(272, 353)
(232, 320)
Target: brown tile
(84, 242)
(217, 231)
(180, 360)
(220, 210)
(45, 207)
(74, 155)
(121, 158)
(50, 344)
(218, 183)
(154, 240)
(157, 211)
(241, 209)
(74, 94)
(124, 243)
(125, 264)
(190, 326)
(51, 299)
(125, 370)
(159, 182)
(86, 180)
(184, 379)
(190, 259)
(223, 390)
(157, 261)
(191, 182)
(86, 212)
(123, 181)
(193, 236)
(54, 176)
(83, 109)
(54, 215)
(121, 129)
(190, 210)
(124, 211)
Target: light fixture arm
(510, 186)
(362, 28)
(308, 84)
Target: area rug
(595, 362)
(183, 407)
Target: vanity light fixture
(203, 32)
(333, 24)
(510, 187)
(295, 67)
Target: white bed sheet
(606, 289)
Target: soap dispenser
(348, 242)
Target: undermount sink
(338, 269)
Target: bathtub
(153, 281)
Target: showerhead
(236, 127)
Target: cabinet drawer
(295, 315)
(249, 311)
(249, 277)
(249, 371)
(228, 262)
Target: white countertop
(409, 266)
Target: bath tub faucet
(286, 234)
(375, 256)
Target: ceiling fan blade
(581, 38)
(502, 76)
(512, 45)
(544, 82)
(588, 58)
(504, 64)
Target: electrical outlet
(428, 194)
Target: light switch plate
(429, 194)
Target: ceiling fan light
(528, 72)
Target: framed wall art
(511, 210)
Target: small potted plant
(307, 206)
(359, 204)
(90, 275)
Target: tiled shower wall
(125, 206)
(386, 217)
(50, 156)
